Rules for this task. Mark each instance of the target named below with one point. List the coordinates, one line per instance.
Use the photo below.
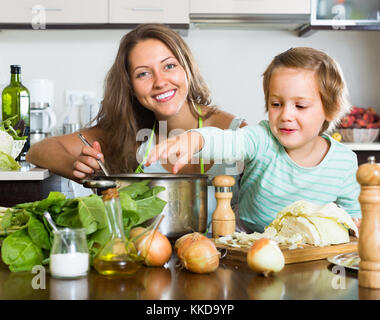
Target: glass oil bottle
(16, 105)
(118, 256)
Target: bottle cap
(15, 68)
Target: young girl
(288, 157)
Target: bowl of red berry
(362, 125)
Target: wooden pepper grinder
(223, 218)
(368, 175)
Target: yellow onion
(201, 257)
(182, 243)
(265, 257)
(160, 249)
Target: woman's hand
(177, 150)
(87, 164)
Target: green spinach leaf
(151, 192)
(38, 233)
(19, 252)
(148, 208)
(92, 213)
(6, 221)
(30, 238)
(136, 189)
(101, 236)
(69, 218)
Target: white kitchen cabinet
(142, 11)
(54, 11)
(249, 7)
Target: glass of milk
(69, 258)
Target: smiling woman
(158, 80)
(153, 80)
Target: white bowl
(17, 147)
(359, 135)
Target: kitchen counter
(374, 146)
(365, 150)
(315, 280)
(27, 172)
(27, 184)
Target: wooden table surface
(315, 280)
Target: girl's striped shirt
(272, 180)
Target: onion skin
(160, 249)
(265, 257)
(182, 243)
(201, 257)
(135, 232)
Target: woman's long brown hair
(121, 115)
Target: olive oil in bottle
(16, 103)
(118, 256)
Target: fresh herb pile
(27, 237)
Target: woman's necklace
(140, 169)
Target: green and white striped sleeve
(231, 145)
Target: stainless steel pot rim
(103, 184)
(153, 176)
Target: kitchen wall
(232, 61)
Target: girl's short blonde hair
(332, 87)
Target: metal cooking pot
(185, 194)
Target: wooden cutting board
(301, 254)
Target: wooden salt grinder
(223, 218)
(368, 175)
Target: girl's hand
(177, 150)
(86, 164)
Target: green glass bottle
(16, 101)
